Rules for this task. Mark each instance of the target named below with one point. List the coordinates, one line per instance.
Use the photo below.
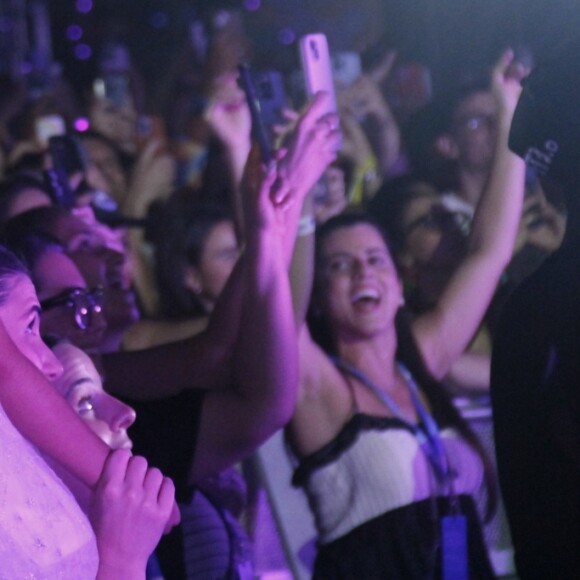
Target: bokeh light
(83, 51)
(286, 36)
(252, 5)
(84, 6)
(74, 32)
(81, 124)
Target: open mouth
(365, 298)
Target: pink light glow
(81, 124)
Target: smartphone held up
(317, 69)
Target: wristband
(306, 225)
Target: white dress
(43, 532)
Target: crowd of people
(188, 301)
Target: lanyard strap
(426, 431)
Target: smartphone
(67, 154)
(48, 126)
(114, 87)
(259, 131)
(271, 94)
(317, 68)
(67, 159)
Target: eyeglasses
(84, 304)
(475, 122)
(440, 218)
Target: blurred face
(105, 171)
(20, 314)
(80, 384)
(433, 238)
(218, 258)
(69, 310)
(360, 289)
(101, 261)
(475, 131)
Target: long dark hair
(407, 352)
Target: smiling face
(359, 289)
(20, 313)
(80, 384)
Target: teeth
(367, 293)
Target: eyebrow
(76, 384)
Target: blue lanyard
(426, 431)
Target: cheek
(100, 429)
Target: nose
(118, 415)
(360, 268)
(50, 366)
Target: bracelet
(306, 226)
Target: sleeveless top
(375, 465)
(43, 532)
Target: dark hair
(388, 206)
(408, 353)
(38, 219)
(10, 267)
(12, 187)
(30, 246)
(183, 229)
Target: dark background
(449, 36)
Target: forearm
(265, 360)
(302, 264)
(45, 418)
(202, 361)
(498, 214)
(124, 569)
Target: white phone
(317, 67)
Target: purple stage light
(252, 5)
(84, 6)
(159, 20)
(286, 36)
(83, 51)
(74, 32)
(81, 124)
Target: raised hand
(506, 78)
(309, 149)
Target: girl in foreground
(43, 532)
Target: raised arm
(444, 332)
(204, 360)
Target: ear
(192, 279)
(446, 146)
